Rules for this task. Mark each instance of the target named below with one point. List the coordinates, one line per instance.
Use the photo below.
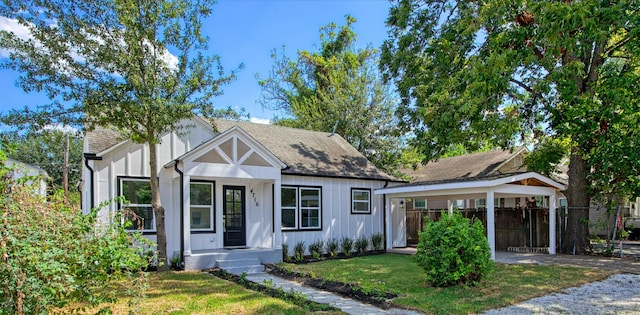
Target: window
(301, 208)
(481, 203)
(458, 204)
(202, 206)
(419, 203)
(360, 200)
(137, 193)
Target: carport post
(552, 223)
(491, 225)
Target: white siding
(337, 220)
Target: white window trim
(210, 207)
(137, 205)
(354, 201)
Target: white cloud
(263, 121)
(12, 25)
(63, 128)
(22, 32)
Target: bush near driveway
(453, 250)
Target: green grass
(200, 293)
(506, 285)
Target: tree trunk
(158, 210)
(575, 240)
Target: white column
(450, 204)
(388, 232)
(552, 223)
(186, 215)
(491, 224)
(277, 214)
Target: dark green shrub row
(334, 246)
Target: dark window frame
(119, 180)
(368, 190)
(298, 211)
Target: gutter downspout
(87, 158)
(175, 167)
(384, 216)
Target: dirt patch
(348, 290)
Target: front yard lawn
(506, 285)
(200, 293)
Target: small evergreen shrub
(332, 246)
(454, 251)
(285, 252)
(361, 244)
(376, 241)
(315, 249)
(298, 251)
(347, 245)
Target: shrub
(361, 244)
(285, 252)
(331, 247)
(454, 251)
(315, 249)
(53, 256)
(376, 241)
(298, 251)
(347, 246)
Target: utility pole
(65, 170)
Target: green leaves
(453, 250)
(53, 256)
(337, 87)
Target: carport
(514, 185)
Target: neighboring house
(517, 207)
(233, 197)
(21, 170)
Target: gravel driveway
(618, 294)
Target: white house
(234, 196)
(22, 170)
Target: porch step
(239, 266)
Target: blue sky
(246, 31)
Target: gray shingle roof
(463, 168)
(308, 152)
(304, 152)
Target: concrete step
(230, 263)
(253, 269)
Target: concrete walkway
(348, 306)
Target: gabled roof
(466, 167)
(305, 152)
(308, 152)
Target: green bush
(361, 244)
(315, 249)
(285, 252)
(376, 241)
(53, 256)
(454, 251)
(298, 251)
(331, 247)
(347, 246)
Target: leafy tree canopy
(135, 66)
(336, 88)
(46, 149)
(501, 71)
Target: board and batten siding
(337, 219)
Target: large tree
(135, 66)
(336, 89)
(47, 149)
(471, 71)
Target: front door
(234, 216)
